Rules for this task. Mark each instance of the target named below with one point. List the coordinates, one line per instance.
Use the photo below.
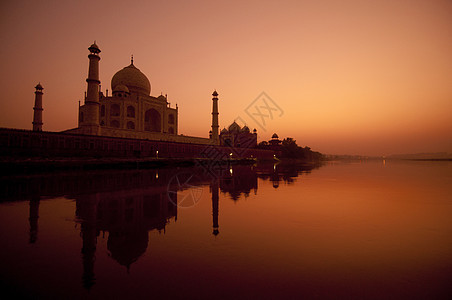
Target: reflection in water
(282, 171)
(127, 216)
(128, 205)
(389, 226)
(33, 219)
(241, 181)
(215, 205)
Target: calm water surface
(371, 230)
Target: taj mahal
(131, 112)
(128, 122)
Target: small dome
(121, 88)
(215, 94)
(133, 79)
(39, 86)
(224, 131)
(234, 127)
(162, 98)
(245, 129)
(275, 136)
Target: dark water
(374, 230)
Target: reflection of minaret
(88, 212)
(33, 219)
(214, 187)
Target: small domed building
(236, 136)
(275, 141)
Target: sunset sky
(350, 76)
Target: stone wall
(26, 143)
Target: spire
(89, 117)
(37, 109)
(215, 113)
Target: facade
(27, 143)
(130, 111)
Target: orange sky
(351, 76)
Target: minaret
(37, 115)
(215, 137)
(90, 121)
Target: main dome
(133, 79)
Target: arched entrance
(152, 121)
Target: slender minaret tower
(90, 121)
(215, 137)
(37, 115)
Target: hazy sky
(350, 76)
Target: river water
(345, 230)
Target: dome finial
(131, 60)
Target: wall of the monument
(15, 142)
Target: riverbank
(14, 166)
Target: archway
(152, 121)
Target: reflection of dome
(127, 247)
(133, 79)
(121, 88)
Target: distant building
(275, 141)
(236, 136)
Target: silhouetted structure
(37, 109)
(240, 137)
(275, 141)
(130, 111)
(129, 123)
(214, 135)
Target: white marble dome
(133, 79)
